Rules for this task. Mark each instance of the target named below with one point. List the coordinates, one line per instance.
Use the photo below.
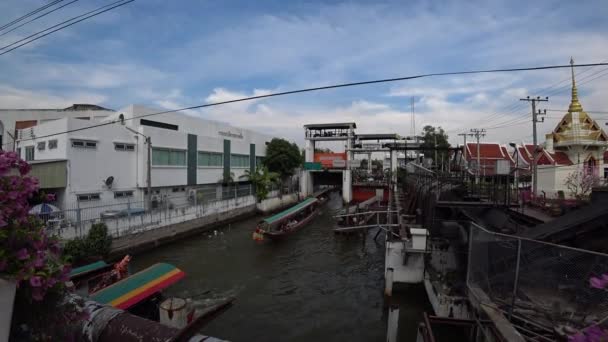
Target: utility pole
(535, 119)
(478, 134)
(149, 172)
(148, 141)
(435, 160)
(464, 135)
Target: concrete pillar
(369, 162)
(347, 185)
(306, 183)
(347, 190)
(394, 165)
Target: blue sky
(171, 54)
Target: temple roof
(577, 127)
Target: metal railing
(130, 216)
(539, 285)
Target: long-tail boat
(287, 221)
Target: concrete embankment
(142, 241)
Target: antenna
(413, 118)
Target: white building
(108, 164)
(12, 120)
(576, 144)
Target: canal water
(312, 286)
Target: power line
(335, 86)
(507, 123)
(30, 14)
(38, 17)
(58, 27)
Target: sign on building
(339, 163)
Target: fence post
(516, 281)
(128, 214)
(469, 256)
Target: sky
(174, 54)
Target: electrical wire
(335, 86)
(58, 27)
(518, 106)
(30, 14)
(586, 79)
(36, 18)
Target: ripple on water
(313, 286)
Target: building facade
(12, 120)
(108, 164)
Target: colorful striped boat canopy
(288, 212)
(141, 285)
(82, 270)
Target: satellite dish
(109, 181)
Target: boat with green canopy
(287, 221)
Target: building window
(239, 160)
(29, 153)
(606, 172)
(124, 147)
(168, 157)
(52, 144)
(41, 145)
(178, 189)
(84, 144)
(88, 197)
(210, 159)
(122, 194)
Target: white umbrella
(43, 208)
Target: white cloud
(11, 97)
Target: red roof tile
(486, 150)
(561, 158)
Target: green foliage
(261, 179)
(430, 135)
(96, 244)
(282, 157)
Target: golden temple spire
(575, 106)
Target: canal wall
(149, 231)
(178, 227)
(275, 202)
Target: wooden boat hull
(278, 235)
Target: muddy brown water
(312, 286)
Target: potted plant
(32, 268)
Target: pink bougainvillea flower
(22, 254)
(36, 281)
(39, 263)
(50, 197)
(598, 283)
(578, 337)
(3, 223)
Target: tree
(430, 135)
(261, 179)
(580, 184)
(282, 157)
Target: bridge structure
(337, 168)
